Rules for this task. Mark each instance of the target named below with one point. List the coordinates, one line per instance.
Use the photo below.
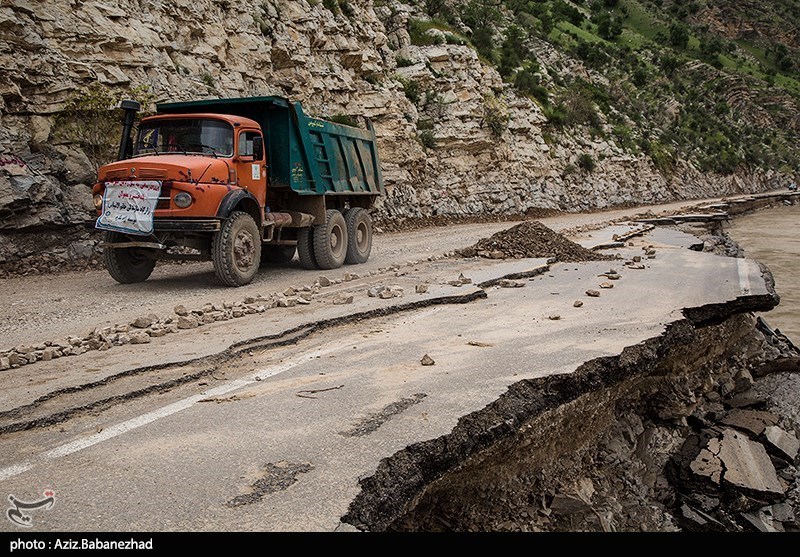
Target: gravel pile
(531, 239)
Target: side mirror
(258, 148)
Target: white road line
(744, 275)
(150, 417)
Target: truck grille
(164, 198)
(120, 174)
(152, 173)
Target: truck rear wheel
(305, 248)
(126, 265)
(271, 253)
(330, 241)
(359, 235)
(236, 250)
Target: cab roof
(237, 121)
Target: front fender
(240, 200)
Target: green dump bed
(309, 155)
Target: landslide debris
(531, 239)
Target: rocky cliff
(455, 139)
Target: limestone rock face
(342, 63)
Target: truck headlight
(98, 201)
(182, 200)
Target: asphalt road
(277, 437)
(47, 307)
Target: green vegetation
(345, 119)
(90, 118)
(495, 114)
(586, 162)
(662, 81)
(208, 80)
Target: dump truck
(241, 182)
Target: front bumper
(175, 225)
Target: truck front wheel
(126, 265)
(330, 241)
(359, 232)
(236, 250)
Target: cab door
(251, 167)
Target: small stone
(142, 322)
(287, 302)
(301, 300)
(464, 280)
(289, 292)
(249, 300)
(421, 288)
(577, 303)
(375, 291)
(238, 313)
(386, 293)
(592, 293)
(427, 360)
(636, 258)
(341, 299)
(181, 310)
(205, 319)
(554, 317)
(5, 363)
(156, 332)
(140, 338)
(187, 322)
(606, 285)
(508, 283)
(324, 281)
(784, 442)
(48, 354)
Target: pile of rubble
(531, 239)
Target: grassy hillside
(716, 83)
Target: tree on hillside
(678, 35)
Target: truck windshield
(185, 136)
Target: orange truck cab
(237, 182)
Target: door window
(246, 143)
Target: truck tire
(126, 265)
(330, 241)
(359, 235)
(305, 248)
(236, 249)
(281, 254)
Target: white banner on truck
(129, 206)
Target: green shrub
(90, 119)
(332, 6)
(418, 32)
(404, 62)
(495, 114)
(586, 162)
(411, 89)
(344, 119)
(427, 139)
(528, 82)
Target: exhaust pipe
(129, 109)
